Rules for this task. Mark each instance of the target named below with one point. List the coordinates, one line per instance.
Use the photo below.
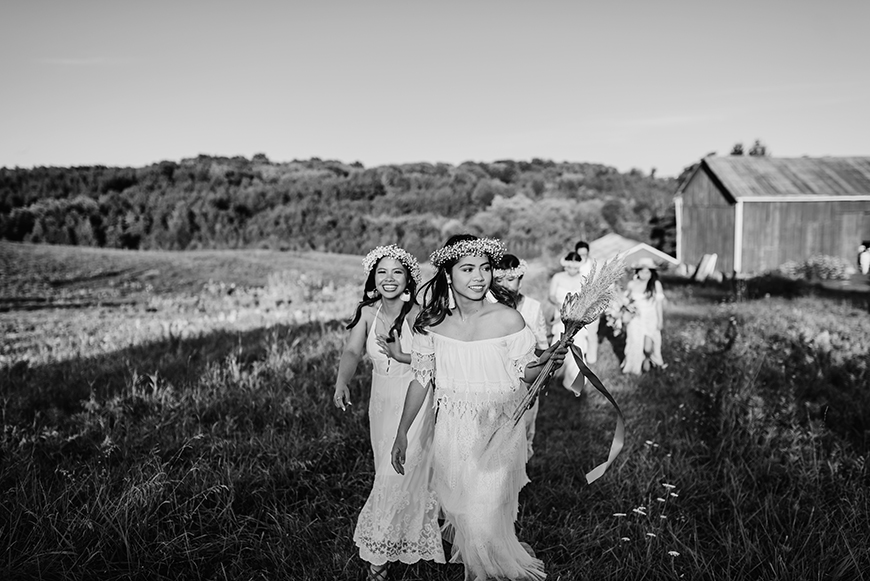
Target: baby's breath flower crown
(393, 251)
(491, 247)
(515, 272)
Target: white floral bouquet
(620, 311)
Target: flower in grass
(668, 486)
(674, 553)
(651, 535)
(674, 494)
(639, 511)
(662, 516)
(649, 443)
(660, 499)
(619, 514)
(624, 539)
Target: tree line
(537, 207)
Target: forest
(537, 207)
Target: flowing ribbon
(619, 433)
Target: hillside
(217, 202)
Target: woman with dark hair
(399, 521)
(643, 333)
(570, 280)
(476, 355)
(508, 275)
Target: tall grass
(221, 457)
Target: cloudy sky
(632, 84)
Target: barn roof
(753, 177)
(612, 244)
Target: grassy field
(215, 453)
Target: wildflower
(674, 494)
(638, 511)
(660, 499)
(673, 553)
(624, 539)
(649, 442)
(662, 516)
(651, 534)
(619, 514)
(668, 486)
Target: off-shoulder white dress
(480, 455)
(399, 521)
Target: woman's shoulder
(507, 319)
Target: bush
(819, 267)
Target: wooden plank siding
(776, 232)
(706, 223)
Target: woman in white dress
(509, 276)
(475, 354)
(399, 521)
(643, 333)
(570, 280)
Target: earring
(373, 294)
(405, 296)
(451, 300)
(490, 297)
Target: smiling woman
(475, 356)
(399, 521)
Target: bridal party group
(452, 358)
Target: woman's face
(510, 282)
(643, 273)
(572, 268)
(471, 277)
(390, 277)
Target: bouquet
(578, 310)
(620, 312)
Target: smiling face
(572, 268)
(643, 273)
(391, 278)
(471, 277)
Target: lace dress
(399, 521)
(533, 314)
(480, 456)
(644, 323)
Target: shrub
(818, 267)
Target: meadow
(167, 416)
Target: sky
(630, 84)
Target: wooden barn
(756, 213)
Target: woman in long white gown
(643, 333)
(475, 354)
(570, 280)
(509, 275)
(399, 521)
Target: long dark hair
(411, 287)
(651, 283)
(436, 292)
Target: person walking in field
(570, 280)
(588, 335)
(399, 521)
(643, 333)
(508, 275)
(477, 356)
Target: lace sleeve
(521, 351)
(423, 359)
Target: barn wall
(706, 224)
(776, 232)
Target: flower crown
(393, 251)
(516, 272)
(491, 247)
